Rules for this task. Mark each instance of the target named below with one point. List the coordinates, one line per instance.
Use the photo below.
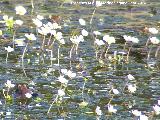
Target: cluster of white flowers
(115, 91)
(69, 73)
(153, 30)
(111, 109)
(98, 111)
(109, 39)
(99, 42)
(132, 88)
(20, 10)
(139, 114)
(130, 39)
(30, 36)
(130, 77)
(9, 49)
(62, 80)
(28, 95)
(48, 28)
(96, 33)
(61, 92)
(82, 22)
(77, 39)
(154, 40)
(8, 84)
(156, 108)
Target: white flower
(99, 42)
(62, 80)
(132, 88)
(9, 84)
(134, 39)
(71, 74)
(130, 39)
(30, 36)
(154, 40)
(8, 21)
(96, 33)
(84, 32)
(44, 30)
(99, 3)
(5, 17)
(9, 49)
(20, 10)
(98, 111)
(20, 42)
(68, 72)
(61, 93)
(0, 102)
(62, 41)
(127, 38)
(8, 113)
(111, 109)
(77, 39)
(28, 95)
(82, 22)
(37, 22)
(115, 91)
(1, 32)
(136, 112)
(109, 39)
(53, 32)
(143, 117)
(64, 71)
(130, 77)
(40, 17)
(58, 35)
(158, 102)
(18, 22)
(156, 109)
(56, 26)
(153, 30)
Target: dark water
(116, 20)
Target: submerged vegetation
(68, 68)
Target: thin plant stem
(156, 54)
(124, 45)
(7, 58)
(128, 53)
(52, 43)
(147, 41)
(70, 53)
(51, 57)
(110, 100)
(13, 38)
(77, 48)
(107, 50)
(148, 56)
(23, 59)
(55, 100)
(44, 37)
(58, 53)
(83, 90)
(32, 6)
(92, 15)
(49, 39)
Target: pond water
(95, 77)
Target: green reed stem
(24, 51)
